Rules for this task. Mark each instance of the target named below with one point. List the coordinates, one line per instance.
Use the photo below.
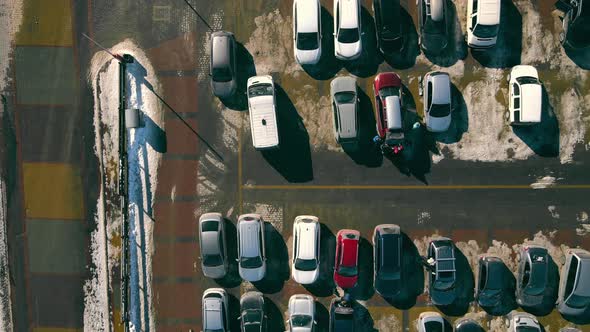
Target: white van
(526, 95)
(483, 22)
(263, 114)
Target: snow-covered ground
(145, 146)
(11, 18)
(5, 303)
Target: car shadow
(277, 262)
(407, 57)
(464, 287)
(368, 63)
(550, 297)
(365, 153)
(328, 65)
(459, 119)
(232, 277)
(580, 57)
(274, 316)
(542, 138)
(416, 159)
(245, 69)
(234, 312)
(364, 288)
(508, 47)
(456, 46)
(412, 276)
(324, 285)
(362, 318)
(509, 299)
(293, 158)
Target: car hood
(435, 124)
(348, 51)
(490, 298)
(440, 297)
(253, 274)
(388, 288)
(215, 272)
(345, 282)
(308, 57)
(528, 300)
(306, 277)
(224, 89)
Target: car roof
(307, 240)
(249, 237)
(307, 15)
(489, 12)
(220, 49)
(441, 87)
(394, 112)
(213, 316)
(531, 102)
(210, 243)
(349, 14)
(390, 246)
(349, 242)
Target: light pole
(199, 15)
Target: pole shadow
(407, 57)
(277, 262)
(362, 318)
(274, 316)
(328, 65)
(508, 47)
(245, 68)
(543, 137)
(364, 288)
(459, 119)
(456, 46)
(368, 63)
(232, 277)
(464, 286)
(293, 158)
(416, 157)
(412, 276)
(234, 312)
(322, 317)
(325, 286)
(365, 153)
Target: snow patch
(5, 302)
(318, 119)
(388, 324)
(544, 182)
(423, 217)
(498, 324)
(11, 17)
(583, 228)
(571, 127)
(553, 210)
(270, 213)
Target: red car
(388, 106)
(347, 254)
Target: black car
(576, 23)
(252, 317)
(443, 276)
(495, 286)
(341, 316)
(533, 287)
(434, 25)
(388, 25)
(387, 260)
(468, 325)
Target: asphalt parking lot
(473, 184)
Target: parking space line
(408, 187)
(240, 186)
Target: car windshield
(212, 260)
(444, 281)
(348, 36)
(389, 91)
(527, 80)
(433, 327)
(526, 329)
(307, 41)
(486, 31)
(251, 262)
(347, 271)
(264, 89)
(213, 330)
(439, 110)
(300, 320)
(576, 301)
(221, 74)
(344, 97)
(305, 264)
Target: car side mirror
(237, 259)
(315, 322)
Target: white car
(483, 22)
(301, 313)
(215, 310)
(305, 266)
(347, 29)
(307, 31)
(526, 95)
(437, 101)
(251, 249)
(523, 321)
(263, 114)
(431, 321)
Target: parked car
(495, 287)
(437, 101)
(442, 280)
(251, 248)
(389, 119)
(524, 322)
(431, 321)
(222, 67)
(252, 316)
(347, 253)
(345, 107)
(387, 259)
(263, 114)
(525, 95)
(307, 31)
(305, 266)
(532, 283)
(467, 325)
(576, 23)
(347, 29)
(388, 26)
(483, 23)
(212, 245)
(301, 313)
(215, 314)
(434, 25)
(574, 289)
(341, 316)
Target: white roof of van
(307, 240)
(249, 242)
(263, 122)
(394, 112)
(349, 14)
(307, 15)
(530, 108)
(489, 12)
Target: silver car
(251, 250)
(574, 288)
(301, 313)
(213, 246)
(437, 101)
(431, 321)
(215, 310)
(223, 64)
(345, 104)
(524, 322)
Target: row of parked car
(532, 288)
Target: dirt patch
(388, 324)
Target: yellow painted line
(55, 329)
(118, 327)
(46, 23)
(407, 187)
(53, 191)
